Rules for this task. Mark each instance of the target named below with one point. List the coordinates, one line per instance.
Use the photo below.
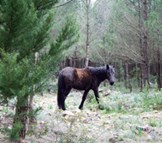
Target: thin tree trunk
(140, 44)
(158, 67)
(125, 76)
(145, 45)
(31, 110)
(87, 32)
(138, 75)
(119, 66)
(31, 97)
(141, 77)
(127, 79)
(159, 76)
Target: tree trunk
(127, 80)
(158, 66)
(125, 76)
(119, 71)
(141, 77)
(31, 110)
(145, 45)
(159, 76)
(137, 74)
(31, 97)
(21, 116)
(87, 32)
(140, 44)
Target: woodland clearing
(123, 118)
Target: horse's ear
(107, 66)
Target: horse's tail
(60, 94)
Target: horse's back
(69, 71)
(77, 78)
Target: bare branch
(60, 5)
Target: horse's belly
(81, 86)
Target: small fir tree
(24, 30)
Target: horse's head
(110, 74)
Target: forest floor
(123, 121)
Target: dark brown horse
(82, 79)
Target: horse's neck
(99, 72)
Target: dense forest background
(124, 33)
(40, 37)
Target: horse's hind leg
(66, 92)
(83, 98)
(60, 101)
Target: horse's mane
(97, 70)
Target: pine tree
(24, 30)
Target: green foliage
(91, 98)
(34, 112)
(131, 102)
(153, 123)
(25, 31)
(67, 36)
(14, 76)
(18, 19)
(18, 77)
(43, 6)
(25, 28)
(152, 102)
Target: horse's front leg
(96, 94)
(83, 98)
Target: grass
(120, 117)
(71, 133)
(155, 123)
(129, 102)
(152, 101)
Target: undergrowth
(135, 103)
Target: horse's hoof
(60, 108)
(63, 109)
(81, 108)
